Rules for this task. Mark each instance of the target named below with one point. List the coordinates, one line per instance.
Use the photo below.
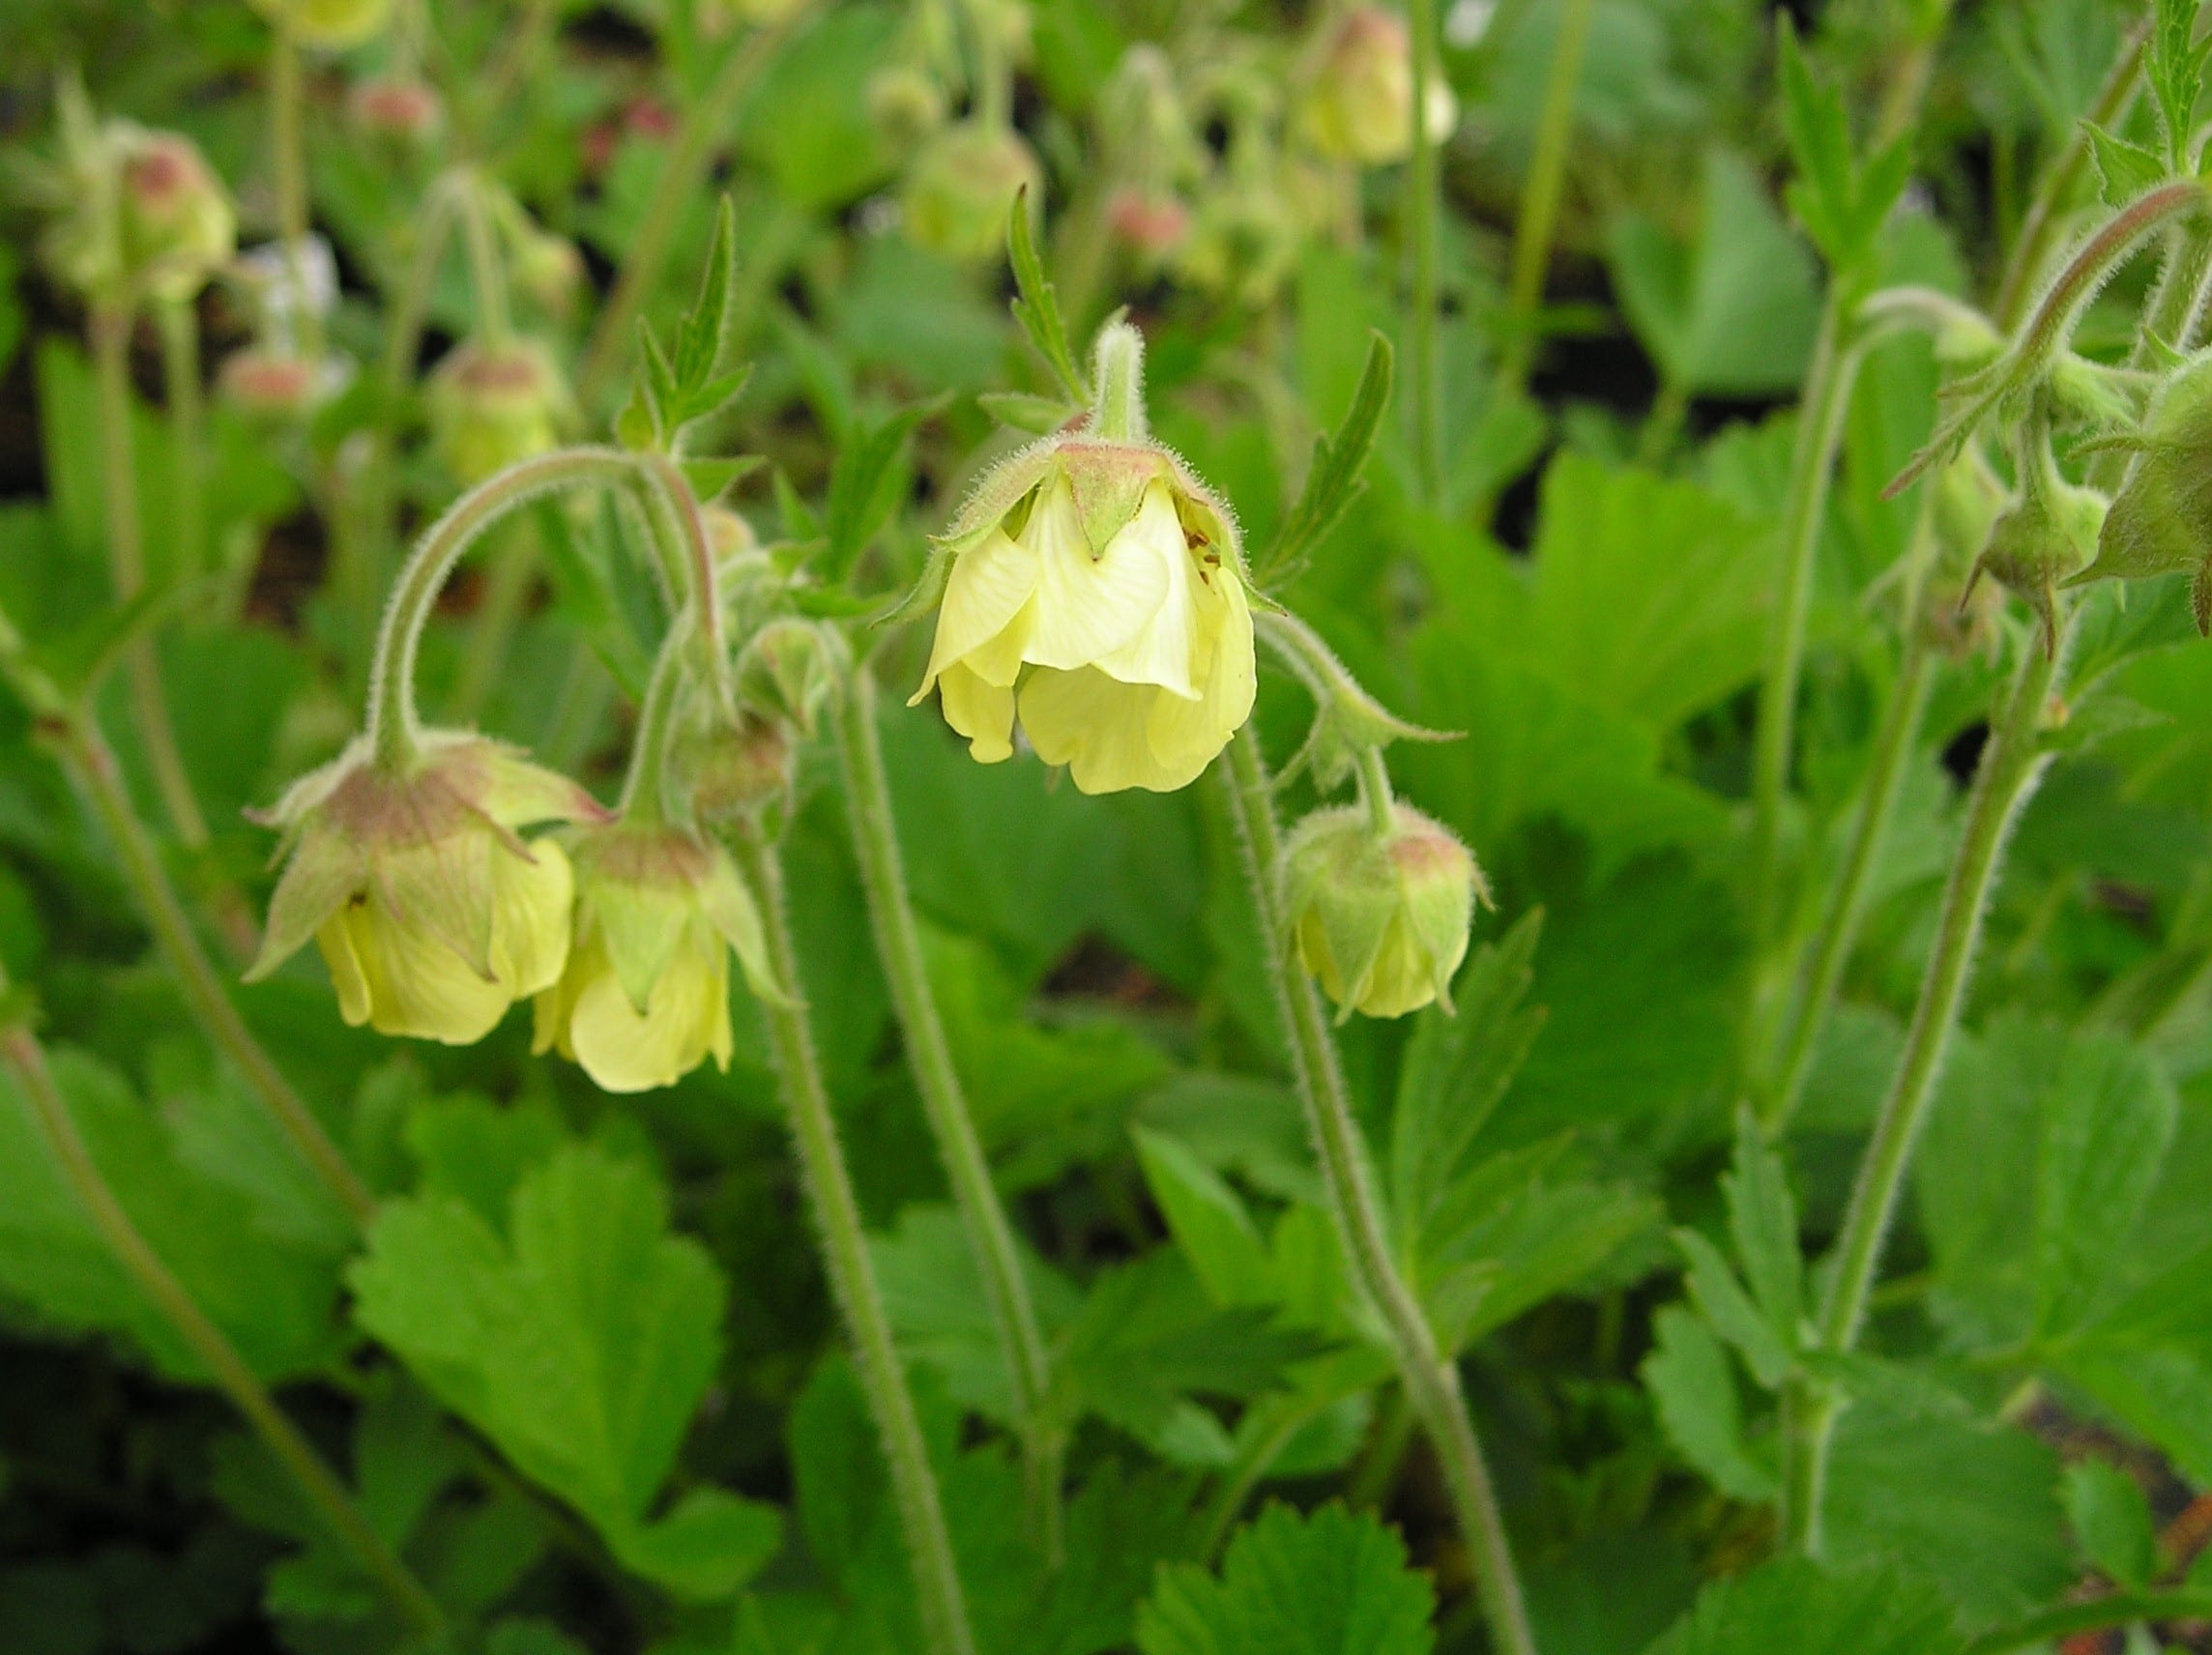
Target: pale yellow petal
(1164, 650)
(988, 587)
(1400, 979)
(1095, 725)
(1086, 607)
(983, 713)
(1185, 735)
(531, 906)
(335, 939)
(687, 1018)
(417, 984)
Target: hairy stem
(180, 331)
(674, 191)
(1430, 1378)
(323, 1490)
(852, 1273)
(2011, 764)
(1543, 190)
(929, 1056)
(91, 765)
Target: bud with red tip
(1381, 919)
(398, 110)
(492, 405)
(1361, 103)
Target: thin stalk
(181, 388)
(1543, 190)
(91, 765)
(288, 138)
(111, 320)
(2041, 220)
(1895, 742)
(644, 801)
(487, 277)
(1290, 1414)
(1812, 462)
(674, 192)
(2011, 764)
(1423, 208)
(929, 1056)
(852, 1273)
(215, 1353)
(1430, 1378)
(393, 723)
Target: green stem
(86, 756)
(929, 1056)
(1423, 208)
(206, 1341)
(110, 324)
(645, 803)
(1286, 1416)
(2041, 220)
(1543, 191)
(1895, 742)
(1430, 1378)
(487, 277)
(1119, 370)
(1375, 793)
(288, 138)
(393, 724)
(188, 432)
(2011, 764)
(1820, 434)
(675, 192)
(852, 1273)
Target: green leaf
(1797, 1606)
(2111, 1519)
(1038, 306)
(2174, 64)
(1330, 1584)
(1333, 479)
(2125, 169)
(1207, 1221)
(1731, 1313)
(1040, 415)
(1690, 1381)
(867, 482)
(580, 1342)
(1841, 203)
(1763, 1220)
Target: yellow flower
(431, 911)
(1098, 589)
(330, 25)
(1380, 920)
(1361, 104)
(645, 997)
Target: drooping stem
(487, 275)
(392, 723)
(188, 432)
(1895, 742)
(644, 801)
(1827, 398)
(26, 1059)
(85, 753)
(1430, 1378)
(1542, 191)
(674, 192)
(1423, 208)
(929, 1056)
(851, 1272)
(110, 323)
(2011, 764)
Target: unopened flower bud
(1380, 920)
(1104, 584)
(905, 105)
(1244, 240)
(172, 226)
(2044, 540)
(789, 669)
(490, 406)
(734, 771)
(645, 995)
(2161, 521)
(550, 271)
(962, 185)
(273, 386)
(402, 111)
(327, 25)
(1361, 104)
(1151, 226)
(728, 533)
(431, 911)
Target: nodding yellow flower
(431, 911)
(1361, 104)
(327, 25)
(1381, 919)
(1096, 588)
(141, 208)
(645, 998)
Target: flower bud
(431, 911)
(727, 531)
(733, 771)
(1151, 226)
(271, 385)
(905, 105)
(2161, 521)
(789, 669)
(492, 405)
(1104, 584)
(645, 995)
(1380, 920)
(550, 271)
(1361, 104)
(2044, 540)
(327, 25)
(172, 226)
(962, 185)
(397, 111)
(1244, 239)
